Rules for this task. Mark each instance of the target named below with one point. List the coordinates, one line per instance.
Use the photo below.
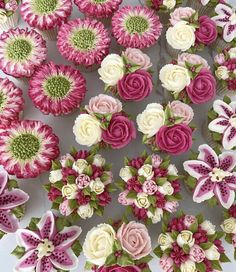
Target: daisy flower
(136, 27)
(27, 148)
(11, 101)
(83, 41)
(57, 89)
(21, 51)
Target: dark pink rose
(117, 268)
(174, 140)
(206, 33)
(156, 4)
(120, 131)
(230, 64)
(135, 86)
(53, 194)
(202, 88)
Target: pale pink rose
(64, 208)
(123, 200)
(103, 104)
(11, 5)
(234, 240)
(150, 187)
(166, 263)
(189, 220)
(156, 160)
(197, 254)
(183, 110)
(193, 59)
(136, 56)
(180, 13)
(110, 177)
(64, 158)
(171, 206)
(82, 181)
(219, 58)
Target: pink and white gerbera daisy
(215, 175)
(46, 248)
(98, 8)
(225, 123)
(83, 41)
(57, 89)
(136, 27)
(11, 101)
(45, 14)
(21, 51)
(27, 148)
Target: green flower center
(83, 39)
(45, 6)
(57, 86)
(19, 50)
(99, 1)
(2, 101)
(25, 146)
(136, 24)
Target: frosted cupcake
(9, 14)
(136, 27)
(21, 51)
(27, 148)
(46, 15)
(203, 6)
(84, 41)
(57, 89)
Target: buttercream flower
(181, 13)
(214, 174)
(169, 4)
(85, 211)
(182, 110)
(171, 206)
(55, 175)
(156, 160)
(97, 186)
(222, 72)
(84, 41)
(147, 171)
(64, 159)
(185, 238)
(98, 160)
(212, 253)
(69, 191)
(219, 58)
(193, 59)
(189, 220)
(197, 254)
(206, 33)
(156, 216)
(21, 52)
(27, 148)
(150, 187)
(134, 239)
(137, 57)
(165, 241)
(125, 173)
(166, 188)
(65, 209)
(232, 52)
(118, 268)
(124, 200)
(229, 225)
(166, 263)
(142, 201)
(79, 165)
(57, 89)
(136, 27)
(208, 227)
(82, 181)
(172, 170)
(188, 266)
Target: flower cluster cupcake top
(136, 27)
(104, 124)
(190, 243)
(189, 79)
(48, 244)
(150, 187)
(163, 5)
(84, 41)
(167, 128)
(7, 8)
(118, 247)
(127, 75)
(80, 184)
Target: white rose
(185, 238)
(80, 165)
(85, 211)
(222, 72)
(208, 227)
(166, 189)
(188, 266)
(142, 201)
(125, 173)
(87, 130)
(174, 77)
(232, 53)
(165, 241)
(98, 160)
(169, 4)
(229, 225)
(146, 171)
(69, 191)
(151, 119)
(3, 16)
(156, 217)
(55, 176)
(112, 69)
(98, 244)
(172, 170)
(212, 253)
(97, 186)
(181, 36)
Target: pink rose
(171, 206)
(150, 187)
(202, 88)
(156, 4)
(181, 13)
(167, 263)
(197, 254)
(234, 240)
(65, 209)
(206, 33)
(219, 58)
(193, 59)
(136, 56)
(82, 181)
(174, 140)
(156, 160)
(135, 86)
(117, 268)
(120, 131)
(123, 200)
(189, 220)
(183, 110)
(134, 239)
(103, 104)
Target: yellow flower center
(217, 174)
(45, 248)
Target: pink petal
(227, 160)
(27, 238)
(219, 124)
(231, 181)
(229, 138)
(3, 180)
(64, 259)
(47, 225)
(224, 194)
(45, 265)
(12, 199)
(220, 20)
(229, 32)
(223, 10)
(197, 169)
(28, 262)
(208, 155)
(222, 108)
(8, 222)
(204, 190)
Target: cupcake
(27, 148)
(85, 42)
(9, 14)
(80, 185)
(136, 27)
(149, 187)
(57, 89)
(128, 75)
(189, 79)
(104, 124)
(118, 247)
(11, 102)
(49, 243)
(167, 128)
(189, 31)
(203, 6)
(21, 52)
(211, 176)
(12, 201)
(46, 15)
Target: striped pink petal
(204, 190)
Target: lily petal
(12, 199)
(27, 238)
(28, 262)
(208, 155)
(3, 180)
(66, 237)
(229, 32)
(222, 108)
(204, 190)
(231, 181)
(64, 259)
(227, 160)
(45, 265)
(223, 10)
(224, 194)
(47, 225)
(220, 20)
(229, 138)
(219, 125)
(8, 222)
(233, 106)
(197, 169)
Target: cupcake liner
(220, 43)
(49, 35)
(23, 80)
(195, 4)
(171, 51)
(223, 90)
(12, 21)
(164, 17)
(89, 69)
(106, 21)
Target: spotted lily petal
(45, 265)
(47, 225)
(233, 105)
(197, 169)
(231, 181)
(28, 262)
(12, 199)
(208, 155)
(64, 259)
(8, 222)
(229, 32)
(222, 108)
(27, 238)
(219, 125)
(224, 194)
(223, 10)
(229, 138)
(3, 180)
(227, 160)
(204, 190)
